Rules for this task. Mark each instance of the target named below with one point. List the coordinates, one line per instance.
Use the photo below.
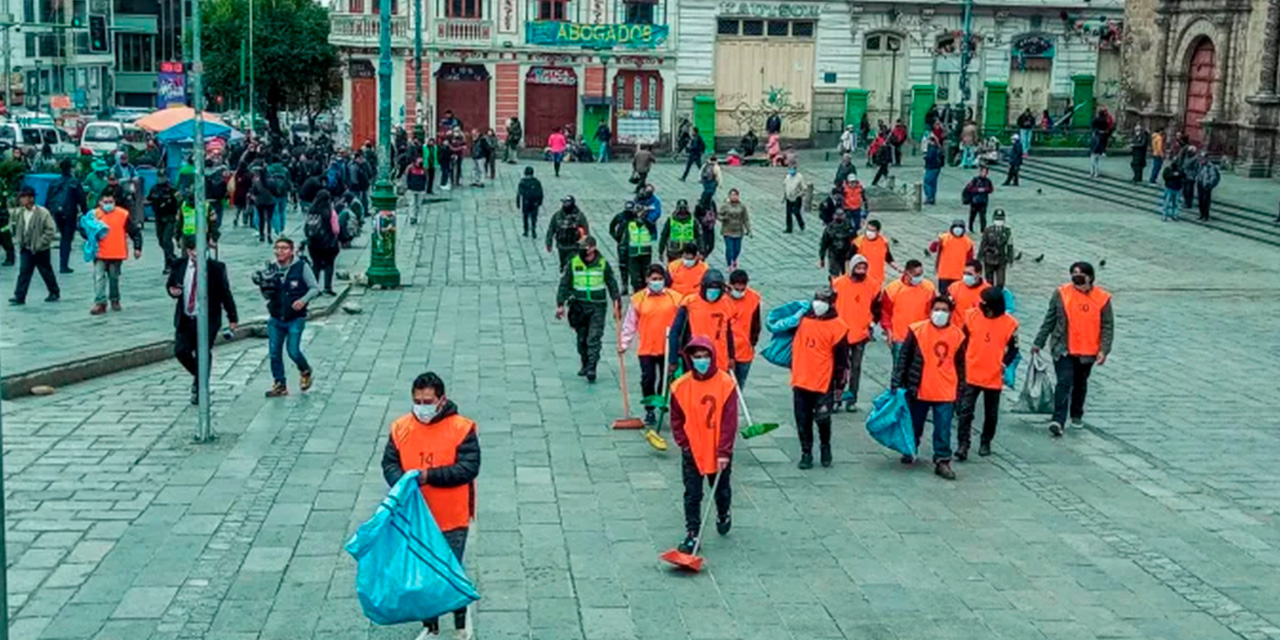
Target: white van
(101, 137)
(35, 137)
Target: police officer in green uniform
(679, 231)
(584, 285)
(635, 245)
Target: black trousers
(530, 218)
(693, 492)
(67, 233)
(944, 284)
(6, 243)
(431, 179)
(1188, 192)
(709, 239)
(186, 346)
(323, 260)
(650, 369)
(164, 235)
(694, 160)
(264, 221)
(882, 172)
(566, 254)
(457, 539)
(1073, 386)
(490, 165)
(996, 275)
(637, 265)
(856, 351)
(811, 407)
(793, 211)
(590, 331)
(1203, 196)
(990, 413)
(29, 262)
(1011, 178)
(978, 211)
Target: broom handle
(742, 402)
(622, 371)
(706, 511)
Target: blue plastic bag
(786, 318)
(1011, 371)
(889, 422)
(778, 350)
(1009, 306)
(405, 571)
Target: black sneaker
(649, 418)
(724, 523)
(962, 453)
(907, 459)
(1055, 429)
(16, 302)
(1077, 422)
(591, 377)
(824, 455)
(582, 371)
(806, 461)
(53, 297)
(984, 449)
(690, 542)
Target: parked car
(36, 137)
(102, 137)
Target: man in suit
(182, 286)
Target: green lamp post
(382, 261)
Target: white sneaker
(427, 634)
(462, 634)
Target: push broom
(753, 429)
(626, 422)
(692, 561)
(660, 402)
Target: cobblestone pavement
(1159, 519)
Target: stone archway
(1178, 66)
(1201, 70)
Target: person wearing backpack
(568, 226)
(163, 200)
(66, 201)
(996, 249)
(415, 182)
(322, 230)
(710, 179)
(359, 174)
(529, 200)
(279, 182)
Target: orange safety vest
(909, 305)
(876, 252)
(654, 315)
(114, 245)
(953, 252)
(984, 355)
(703, 403)
(938, 378)
(744, 311)
(686, 280)
(714, 320)
(427, 446)
(965, 298)
(813, 352)
(853, 304)
(852, 197)
(1084, 319)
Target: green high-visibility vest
(588, 281)
(188, 220)
(681, 231)
(638, 238)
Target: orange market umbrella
(167, 118)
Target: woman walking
(793, 190)
(491, 153)
(735, 222)
(322, 229)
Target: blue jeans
(931, 184)
(942, 412)
(277, 333)
(1156, 164)
(604, 152)
(277, 218)
(740, 371)
(1024, 136)
(968, 156)
(1169, 204)
(732, 249)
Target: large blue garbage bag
(782, 322)
(778, 351)
(1011, 371)
(405, 571)
(1009, 305)
(889, 422)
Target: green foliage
(294, 67)
(11, 173)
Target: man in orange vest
(819, 357)
(442, 445)
(858, 305)
(954, 250)
(687, 272)
(874, 246)
(709, 313)
(704, 422)
(113, 250)
(968, 292)
(927, 368)
(991, 343)
(648, 319)
(1081, 323)
(905, 302)
(746, 324)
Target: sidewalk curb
(66, 373)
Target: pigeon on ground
(928, 253)
(1039, 191)
(1039, 258)
(895, 240)
(1017, 257)
(1102, 262)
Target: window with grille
(753, 27)
(355, 6)
(802, 29)
(765, 28)
(554, 10)
(639, 12)
(462, 9)
(653, 93)
(777, 28)
(726, 27)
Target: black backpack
(318, 231)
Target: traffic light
(98, 35)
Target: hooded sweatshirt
(698, 310)
(715, 378)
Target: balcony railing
(464, 30)
(363, 30)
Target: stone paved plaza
(1160, 519)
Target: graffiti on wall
(748, 114)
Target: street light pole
(4, 555)
(204, 428)
(966, 49)
(419, 114)
(382, 259)
(251, 105)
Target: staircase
(1235, 219)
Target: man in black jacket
(66, 202)
(697, 146)
(529, 199)
(443, 448)
(182, 287)
(163, 200)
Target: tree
(294, 66)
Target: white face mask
(657, 286)
(872, 233)
(689, 262)
(998, 223)
(425, 412)
(940, 318)
(957, 231)
(738, 295)
(970, 281)
(821, 307)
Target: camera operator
(288, 285)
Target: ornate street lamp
(382, 259)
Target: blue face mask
(916, 280)
(656, 286)
(713, 295)
(701, 365)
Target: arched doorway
(884, 74)
(1200, 74)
